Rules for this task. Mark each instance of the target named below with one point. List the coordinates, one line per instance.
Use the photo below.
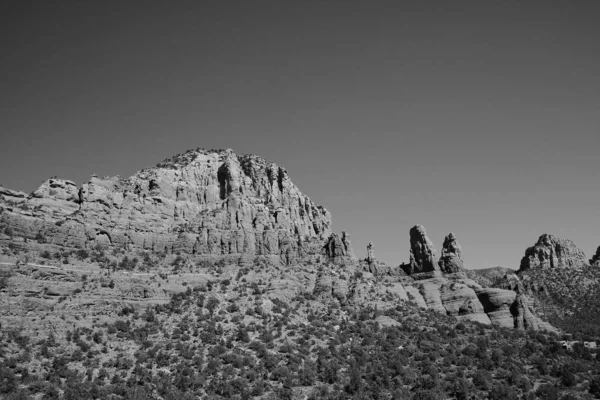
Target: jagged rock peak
(337, 246)
(553, 252)
(595, 260)
(370, 253)
(211, 202)
(422, 253)
(451, 260)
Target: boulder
(497, 305)
(461, 301)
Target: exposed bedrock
(338, 247)
(422, 254)
(451, 260)
(202, 202)
(553, 252)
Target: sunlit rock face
(444, 286)
(552, 252)
(451, 260)
(201, 202)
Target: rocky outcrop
(451, 258)
(455, 293)
(422, 254)
(595, 260)
(338, 247)
(371, 253)
(202, 202)
(553, 252)
(461, 301)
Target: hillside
(494, 273)
(563, 283)
(212, 276)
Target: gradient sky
(476, 117)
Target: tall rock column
(422, 253)
(451, 258)
(370, 253)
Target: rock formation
(451, 258)
(454, 293)
(216, 208)
(595, 260)
(552, 252)
(337, 246)
(201, 202)
(371, 253)
(422, 253)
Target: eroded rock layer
(202, 202)
(553, 252)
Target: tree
(7, 380)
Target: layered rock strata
(202, 202)
(553, 252)
(444, 286)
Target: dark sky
(476, 117)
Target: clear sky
(476, 117)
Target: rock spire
(370, 253)
(422, 253)
(451, 260)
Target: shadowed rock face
(451, 258)
(202, 202)
(422, 253)
(553, 252)
(595, 260)
(337, 246)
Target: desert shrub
(82, 254)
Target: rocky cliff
(201, 202)
(556, 282)
(553, 252)
(445, 287)
(215, 216)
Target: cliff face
(553, 252)
(202, 202)
(445, 287)
(216, 207)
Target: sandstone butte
(214, 205)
